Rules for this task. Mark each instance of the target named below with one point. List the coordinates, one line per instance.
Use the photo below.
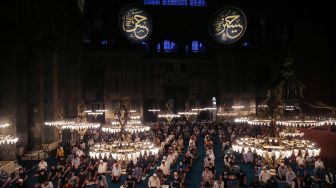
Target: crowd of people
(179, 150)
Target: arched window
(169, 46)
(196, 46)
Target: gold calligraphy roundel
(135, 23)
(228, 25)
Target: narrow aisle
(194, 177)
(219, 160)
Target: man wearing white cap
(154, 182)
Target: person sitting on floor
(43, 165)
(154, 182)
(290, 175)
(282, 170)
(176, 182)
(330, 178)
(165, 169)
(219, 183)
(264, 175)
(116, 173)
(47, 184)
(137, 173)
(101, 182)
(207, 177)
(130, 181)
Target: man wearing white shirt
(211, 154)
(116, 173)
(165, 168)
(75, 162)
(319, 164)
(300, 160)
(42, 165)
(79, 153)
(264, 175)
(154, 182)
(102, 167)
(207, 177)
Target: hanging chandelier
(95, 113)
(291, 132)
(169, 115)
(288, 123)
(4, 125)
(124, 148)
(271, 146)
(81, 125)
(60, 122)
(7, 139)
(282, 109)
(278, 147)
(131, 127)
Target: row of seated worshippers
(209, 162)
(170, 149)
(169, 168)
(78, 169)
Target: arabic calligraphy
(228, 25)
(136, 24)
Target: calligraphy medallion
(228, 25)
(135, 23)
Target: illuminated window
(196, 46)
(169, 46)
(103, 42)
(175, 2)
(158, 49)
(197, 3)
(152, 2)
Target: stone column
(50, 91)
(35, 102)
(8, 102)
